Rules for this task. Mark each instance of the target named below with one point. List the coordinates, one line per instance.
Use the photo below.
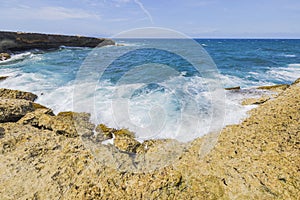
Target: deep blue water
(158, 88)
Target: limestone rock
(296, 81)
(18, 41)
(16, 94)
(11, 110)
(274, 88)
(103, 133)
(256, 101)
(4, 56)
(69, 124)
(124, 140)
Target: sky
(195, 18)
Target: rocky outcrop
(19, 41)
(4, 56)
(274, 88)
(69, 124)
(16, 94)
(233, 88)
(15, 104)
(11, 110)
(2, 78)
(257, 159)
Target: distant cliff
(19, 41)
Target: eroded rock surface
(257, 159)
(16, 94)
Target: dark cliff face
(17, 41)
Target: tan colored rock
(11, 110)
(274, 88)
(256, 101)
(124, 140)
(69, 124)
(257, 159)
(296, 81)
(103, 133)
(16, 94)
(4, 56)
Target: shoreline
(257, 158)
(17, 42)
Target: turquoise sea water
(156, 97)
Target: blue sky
(196, 18)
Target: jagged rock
(4, 56)
(274, 88)
(296, 81)
(37, 118)
(256, 101)
(18, 41)
(69, 124)
(124, 140)
(233, 88)
(103, 133)
(11, 110)
(16, 94)
(2, 78)
(73, 124)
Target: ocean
(158, 88)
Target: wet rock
(296, 81)
(103, 133)
(11, 110)
(274, 88)
(124, 140)
(16, 94)
(4, 56)
(233, 88)
(18, 41)
(256, 101)
(2, 78)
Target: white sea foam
(294, 65)
(290, 55)
(290, 73)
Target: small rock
(4, 56)
(233, 88)
(124, 140)
(103, 133)
(255, 101)
(2, 78)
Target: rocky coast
(12, 42)
(44, 156)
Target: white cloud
(139, 3)
(47, 13)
